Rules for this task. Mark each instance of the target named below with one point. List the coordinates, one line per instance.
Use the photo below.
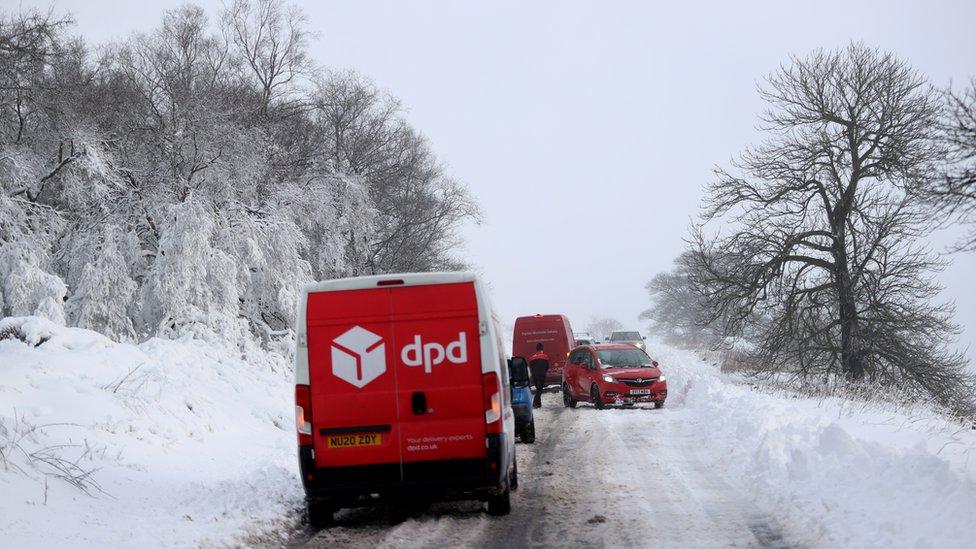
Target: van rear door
(353, 383)
(440, 395)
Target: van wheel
(595, 397)
(501, 504)
(528, 433)
(514, 480)
(321, 515)
(658, 404)
(568, 399)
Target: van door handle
(418, 402)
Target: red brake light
(393, 282)
(303, 414)
(493, 403)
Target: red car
(612, 374)
(556, 336)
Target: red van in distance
(556, 336)
(401, 389)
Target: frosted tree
(339, 219)
(272, 252)
(419, 206)
(102, 298)
(271, 38)
(601, 327)
(189, 180)
(27, 284)
(677, 313)
(189, 280)
(29, 290)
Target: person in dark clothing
(539, 364)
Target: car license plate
(640, 391)
(349, 441)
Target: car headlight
(662, 378)
(608, 379)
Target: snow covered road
(621, 477)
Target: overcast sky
(588, 129)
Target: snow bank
(848, 474)
(170, 443)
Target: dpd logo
(358, 356)
(431, 354)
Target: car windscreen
(625, 336)
(624, 358)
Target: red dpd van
(556, 336)
(402, 390)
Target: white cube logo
(358, 356)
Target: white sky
(588, 129)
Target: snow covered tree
(28, 290)
(272, 254)
(678, 311)
(188, 179)
(102, 298)
(190, 281)
(419, 206)
(601, 327)
(272, 39)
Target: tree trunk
(851, 364)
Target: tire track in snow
(530, 514)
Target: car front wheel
(595, 397)
(568, 399)
(658, 404)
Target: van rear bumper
(434, 480)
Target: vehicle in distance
(402, 391)
(518, 369)
(613, 373)
(632, 338)
(556, 336)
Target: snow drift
(846, 474)
(165, 443)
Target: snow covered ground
(842, 473)
(169, 443)
(190, 442)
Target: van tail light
(493, 403)
(303, 414)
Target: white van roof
(409, 279)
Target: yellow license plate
(348, 441)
